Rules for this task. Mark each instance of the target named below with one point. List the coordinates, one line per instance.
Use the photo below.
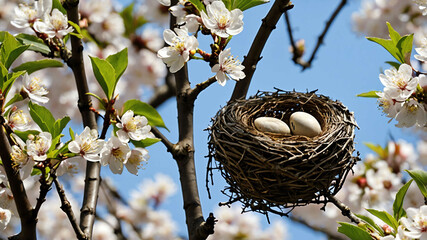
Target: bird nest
(270, 172)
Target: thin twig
(331, 235)
(66, 207)
(254, 54)
(44, 189)
(345, 210)
(200, 87)
(169, 146)
(23, 206)
(297, 55)
(92, 180)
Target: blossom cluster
(399, 98)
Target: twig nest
(304, 124)
(272, 125)
(271, 172)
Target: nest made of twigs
(266, 171)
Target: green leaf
(353, 232)
(14, 54)
(10, 50)
(382, 153)
(370, 94)
(76, 27)
(36, 44)
(24, 135)
(72, 135)
(385, 217)
(42, 117)
(394, 36)
(242, 4)
(371, 223)
(18, 97)
(199, 5)
(11, 77)
(398, 210)
(420, 177)
(405, 47)
(105, 75)
(144, 109)
(60, 124)
(33, 66)
(55, 141)
(119, 61)
(57, 4)
(132, 22)
(145, 143)
(389, 46)
(393, 64)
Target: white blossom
(115, 153)
(412, 113)
(422, 50)
(26, 15)
(178, 53)
(96, 11)
(415, 223)
(136, 159)
(87, 145)
(38, 146)
(221, 21)
(227, 67)
(5, 216)
(21, 158)
(389, 106)
(399, 84)
(35, 89)
(154, 11)
(55, 25)
(19, 120)
(111, 29)
(133, 127)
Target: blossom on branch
(133, 127)
(34, 88)
(389, 106)
(178, 53)
(399, 84)
(415, 223)
(26, 16)
(136, 159)
(228, 67)
(38, 146)
(221, 21)
(412, 113)
(5, 216)
(55, 25)
(87, 145)
(422, 51)
(19, 120)
(115, 153)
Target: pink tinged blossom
(87, 145)
(412, 113)
(26, 15)
(136, 160)
(399, 84)
(221, 21)
(19, 120)
(38, 146)
(35, 89)
(133, 127)
(5, 216)
(55, 25)
(228, 67)
(115, 153)
(178, 52)
(415, 223)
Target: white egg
(304, 124)
(272, 125)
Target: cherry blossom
(115, 153)
(133, 127)
(5, 216)
(55, 25)
(178, 53)
(221, 21)
(227, 67)
(26, 15)
(19, 120)
(87, 145)
(415, 223)
(136, 159)
(389, 106)
(38, 146)
(422, 51)
(34, 88)
(21, 158)
(412, 113)
(399, 84)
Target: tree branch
(92, 180)
(345, 210)
(297, 54)
(200, 87)
(331, 236)
(66, 207)
(254, 54)
(164, 92)
(25, 210)
(169, 146)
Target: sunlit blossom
(35, 89)
(228, 67)
(136, 160)
(221, 21)
(415, 223)
(115, 154)
(26, 15)
(5, 216)
(87, 145)
(19, 120)
(388, 105)
(399, 84)
(38, 146)
(133, 127)
(55, 25)
(412, 113)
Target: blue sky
(346, 65)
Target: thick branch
(66, 207)
(92, 180)
(254, 54)
(345, 210)
(25, 210)
(297, 55)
